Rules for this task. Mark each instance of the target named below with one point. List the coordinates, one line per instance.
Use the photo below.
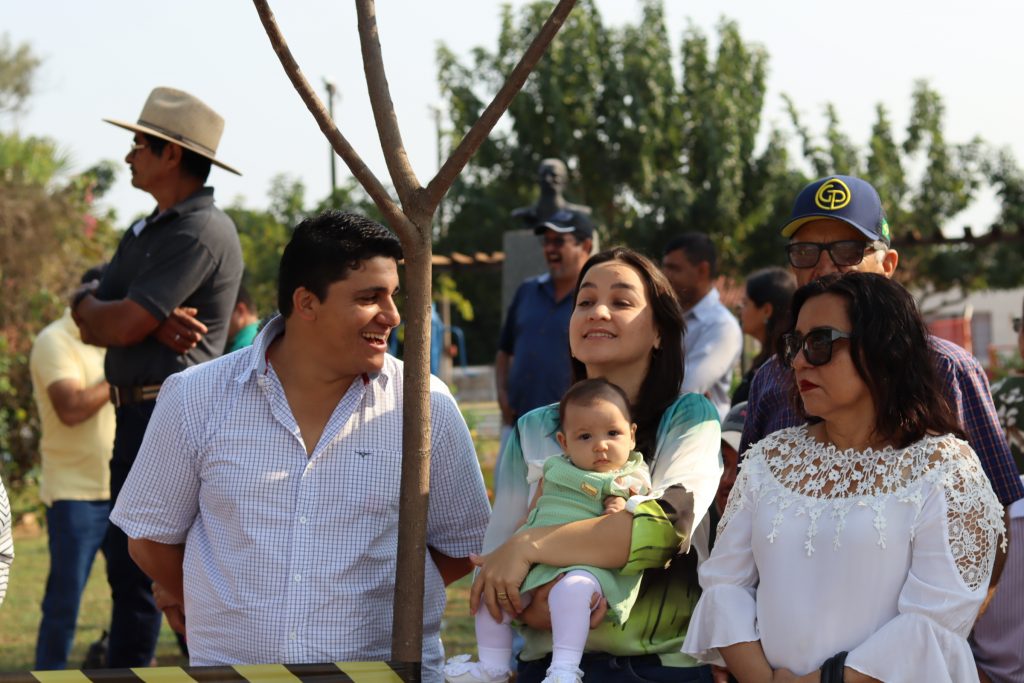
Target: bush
(49, 235)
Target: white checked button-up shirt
(712, 347)
(289, 558)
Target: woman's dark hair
(773, 286)
(664, 377)
(588, 391)
(324, 248)
(891, 352)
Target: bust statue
(552, 176)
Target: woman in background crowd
(764, 315)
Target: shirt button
(298, 577)
(293, 635)
(302, 519)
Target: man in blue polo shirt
(532, 367)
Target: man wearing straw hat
(163, 305)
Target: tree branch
(482, 128)
(359, 169)
(402, 175)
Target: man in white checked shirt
(264, 499)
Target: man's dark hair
(192, 164)
(244, 297)
(324, 248)
(891, 354)
(156, 145)
(698, 248)
(587, 392)
(195, 165)
(94, 273)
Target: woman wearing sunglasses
(859, 546)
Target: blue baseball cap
(566, 222)
(844, 198)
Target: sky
(102, 58)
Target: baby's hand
(614, 504)
(635, 486)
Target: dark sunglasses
(842, 253)
(816, 345)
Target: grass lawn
(19, 615)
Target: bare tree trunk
(412, 222)
(407, 631)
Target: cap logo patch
(832, 195)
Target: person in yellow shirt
(77, 422)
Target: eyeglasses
(554, 241)
(137, 147)
(816, 345)
(1016, 325)
(842, 253)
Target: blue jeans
(602, 668)
(75, 529)
(135, 622)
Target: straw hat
(183, 119)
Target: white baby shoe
(461, 670)
(563, 676)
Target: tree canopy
(50, 233)
(659, 142)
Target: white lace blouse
(885, 553)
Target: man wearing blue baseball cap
(838, 225)
(532, 365)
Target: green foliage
(17, 70)
(264, 233)
(925, 181)
(445, 286)
(262, 237)
(49, 234)
(652, 151)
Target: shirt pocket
(373, 477)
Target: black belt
(126, 396)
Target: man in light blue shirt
(713, 339)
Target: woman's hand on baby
(497, 583)
(614, 504)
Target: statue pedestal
(524, 258)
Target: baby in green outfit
(596, 475)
